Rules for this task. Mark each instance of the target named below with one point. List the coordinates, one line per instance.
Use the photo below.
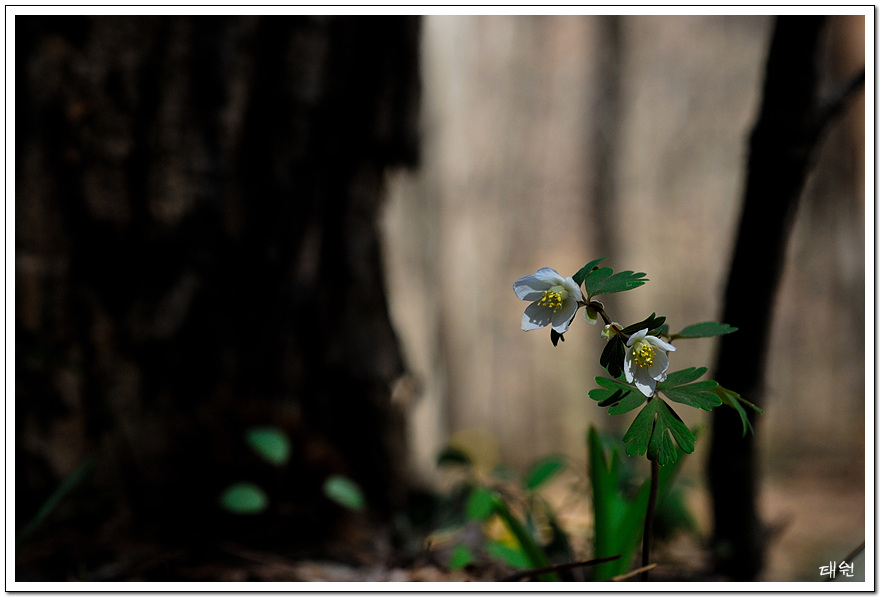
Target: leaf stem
(649, 517)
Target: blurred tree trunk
(197, 253)
(781, 153)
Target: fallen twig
(517, 576)
(632, 573)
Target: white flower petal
(548, 274)
(563, 317)
(628, 366)
(645, 384)
(531, 287)
(574, 291)
(658, 368)
(637, 336)
(536, 317)
(655, 341)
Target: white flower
(610, 330)
(554, 300)
(646, 361)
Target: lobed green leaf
(653, 430)
(668, 422)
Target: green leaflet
(682, 377)
(543, 470)
(619, 396)
(733, 399)
(707, 329)
(481, 503)
(515, 558)
(653, 430)
(582, 273)
(651, 323)
(678, 388)
(461, 557)
(603, 280)
(613, 356)
(244, 498)
(344, 492)
(270, 443)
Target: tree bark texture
(197, 253)
(781, 150)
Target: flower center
(643, 355)
(553, 297)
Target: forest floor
(815, 518)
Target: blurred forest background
(315, 224)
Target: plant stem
(649, 517)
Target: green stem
(649, 517)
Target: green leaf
(731, 398)
(244, 498)
(269, 442)
(582, 273)
(71, 482)
(529, 546)
(481, 503)
(682, 377)
(677, 387)
(618, 519)
(653, 430)
(460, 557)
(614, 398)
(604, 281)
(513, 557)
(344, 492)
(452, 456)
(559, 548)
(610, 386)
(651, 323)
(543, 470)
(707, 329)
(634, 400)
(620, 396)
(613, 356)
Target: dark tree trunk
(780, 157)
(197, 252)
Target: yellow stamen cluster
(643, 355)
(551, 299)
